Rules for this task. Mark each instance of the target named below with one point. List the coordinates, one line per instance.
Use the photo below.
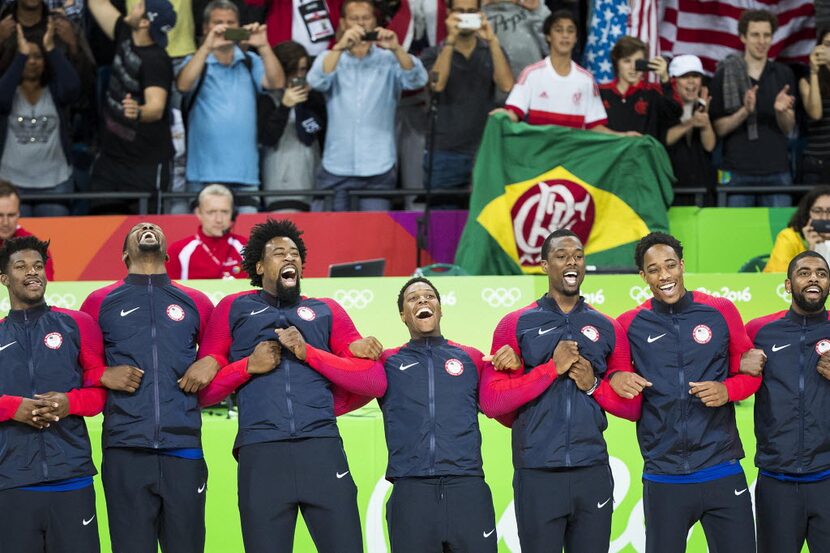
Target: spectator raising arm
(274, 74)
(809, 87)
(106, 16)
(190, 73)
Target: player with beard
(557, 365)
(46, 493)
(792, 415)
(154, 472)
(290, 454)
(430, 416)
(691, 346)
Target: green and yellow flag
(531, 180)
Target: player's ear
(788, 286)
(259, 270)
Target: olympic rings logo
(782, 293)
(354, 299)
(65, 301)
(640, 294)
(501, 297)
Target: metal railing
(143, 199)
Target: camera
(821, 226)
(469, 21)
(237, 34)
(371, 36)
(641, 65)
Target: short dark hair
(654, 239)
(348, 2)
(8, 189)
(558, 233)
(290, 53)
(450, 3)
(409, 283)
(794, 261)
(263, 233)
(750, 16)
(627, 46)
(556, 16)
(802, 213)
(14, 245)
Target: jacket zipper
(431, 377)
(29, 354)
(289, 403)
(684, 395)
(569, 391)
(801, 378)
(153, 334)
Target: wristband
(594, 387)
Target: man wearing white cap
(691, 139)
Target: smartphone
(371, 36)
(297, 82)
(821, 226)
(641, 65)
(237, 34)
(700, 104)
(469, 21)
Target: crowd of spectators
(294, 96)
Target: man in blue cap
(136, 147)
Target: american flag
(643, 24)
(709, 28)
(608, 22)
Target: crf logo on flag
(550, 205)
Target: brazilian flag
(531, 180)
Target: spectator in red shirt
(214, 251)
(9, 214)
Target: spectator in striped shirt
(557, 91)
(214, 251)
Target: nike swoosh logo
(125, 313)
(779, 348)
(202, 488)
(650, 339)
(341, 475)
(488, 534)
(7, 345)
(86, 522)
(603, 504)
(740, 492)
(543, 332)
(404, 367)
(260, 311)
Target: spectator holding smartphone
(691, 138)
(362, 77)
(471, 68)
(808, 229)
(633, 104)
(815, 94)
(35, 93)
(222, 82)
(292, 129)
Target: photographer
(35, 93)
(808, 229)
(634, 105)
(291, 128)
(362, 77)
(223, 81)
(815, 94)
(690, 143)
(471, 67)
